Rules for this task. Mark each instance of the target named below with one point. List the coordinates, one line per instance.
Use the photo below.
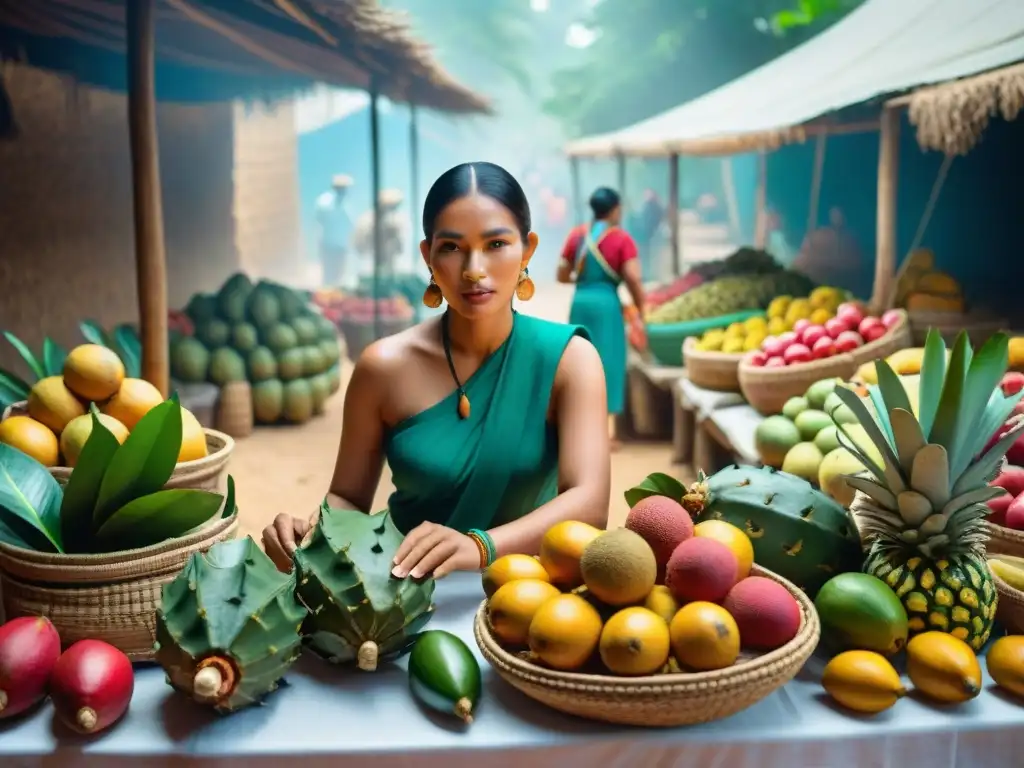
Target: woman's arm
(568, 259)
(630, 271)
(584, 468)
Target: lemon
(821, 315)
(776, 326)
(778, 306)
(733, 345)
(756, 323)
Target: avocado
(861, 612)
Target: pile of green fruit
(729, 294)
(266, 334)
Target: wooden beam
(761, 201)
(150, 256)
(378, 231)
(577, 190)
(414, 174)
(674, 213)
(620, 161)
(885, 236)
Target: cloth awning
(883, 48)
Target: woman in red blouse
(598, 257)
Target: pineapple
(923, 508)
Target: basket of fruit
(768, 386)
(1005, 521)
(882, 336)
(665, 340)
(712, 361)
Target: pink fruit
(774, 362)
(892, 318)
(812, 333)
(1015, 514)
(773, 347)
(91, 686)
(663, 524)
(29, 648)
(757, 358)
(874, 332)
(868, 322)
(800, 326)
(835, 326)
(850, 313)
(796, 353)
(1018, 409)
(701, 568)
(1012, 383)
(1011, 480)
(788, 338)
(847, 341)
(823, 347)
(1015, 453)
(997, 509)
(767, 615)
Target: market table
(332, 717)
(712, 429)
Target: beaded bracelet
(484, 542)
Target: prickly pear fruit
(91, 686)
(29, 649)
(358, 611)
(228, 626)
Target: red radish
(774, 362)
(892, 318)
(796, 353)
(812, 333)
(823, 347)
(757, 358)
(835, 326)
(997, 509)
(1012, 383)
(871, 328)
(772, 347)
(788, 338)
(848, 341)
(1015, 514)
(29, 648)
(850, 314)
(91, 686)
(1011, 480)
(800, 326)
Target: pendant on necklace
(463, 406)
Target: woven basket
(1004, 541)
(205, 474)
(718, 371)
(234, 409)
(898, 337)
(979, 326)
(662, 700)
(111, 597)
(768, 389)
(1010, 606)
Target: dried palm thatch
(951, 117)
(212, 50)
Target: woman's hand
(432, 549)
(281, 538)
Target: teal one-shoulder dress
(499, 464)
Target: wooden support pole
(674, 214)
(817, 176)
(378, 231)
(150, 256)
(885, 220)
(761, 202)
(414, 175)
(621, 168)
(577, 190)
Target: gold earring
(525, 287)
(432, 297)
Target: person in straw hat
(394, 235)
(335, 225)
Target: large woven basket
(1004, 541)
(768, 389)
(661, 700)
(978, 325)
(898, 337)
(205, 474)
(718, 371)
(111, 597)
(1010, 606)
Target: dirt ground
(288, 469)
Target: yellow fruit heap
(921, 287)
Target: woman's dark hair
(604, 201)
(487, 179)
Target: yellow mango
(1017, 353)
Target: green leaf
(144, 463)
(891, 463)
(157, 517)
(29, 494)
(18, 533)
(658, 484)
(986, 371)
(893, 392)
(93, 333)
(881, 413)
(13, 389)
(933, 373)
(53, 357)
(947, 417)
(83, 488)
(229, 501)
(129, 349)
(978, 473)
(26, 354)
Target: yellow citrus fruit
(93, 372)
(820, 316)
(561, 550)
(564, 632)
(1005, 661)
(662, 602)
(76, 434)
(511, 609)
(53, 404)
(736, 540)
(635, 641)
(133, 400)
(943, 667)
(512, 568)
(193, 438)
(31, 437)
(863, 681)
(704, 636)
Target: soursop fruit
(359, 612)
(228, 627)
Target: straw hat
(341, 180)
(391, 196)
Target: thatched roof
(951, 117)
(227, 49)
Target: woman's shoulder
(391, 355)
(549, 334)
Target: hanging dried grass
(951, 117)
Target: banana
(1011, 573)
(863, 681)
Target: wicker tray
(662, 700)
(768, 389)
(898, 337)
(665, 340)
(111, 597)
(1004, 541)
(718, 371)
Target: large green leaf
(13, 389)
(157, 517)
(983, 377)
(229, 501)
(54, 356)
(658, 484)
(26, 354)
(129, 349)
(944, 430)
(933, 373)
(83, 488)
(94, 333)
(30, 495)
(144, 463)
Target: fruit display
(922, 508)
(444, 675)
(49, 362)
(943, 667)
(29, 649)
(744, 336)
(624, 618)
(266, 334)
(861, 612)
(359, 612)
(91, 686)
(730, 294)
(228, 626)
(665, 293)
(359, 308)
(115, 498)
(920, 286)
(850, 329)
(745, 261)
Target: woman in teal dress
(598, 257)
(492, 422)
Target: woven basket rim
(1005, 534)
(1012, 594)
(638, 687)
(843, 361)
(901, 332)
(691, 352)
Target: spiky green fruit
(229, 626)
(359, 612)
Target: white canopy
(884, 47)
